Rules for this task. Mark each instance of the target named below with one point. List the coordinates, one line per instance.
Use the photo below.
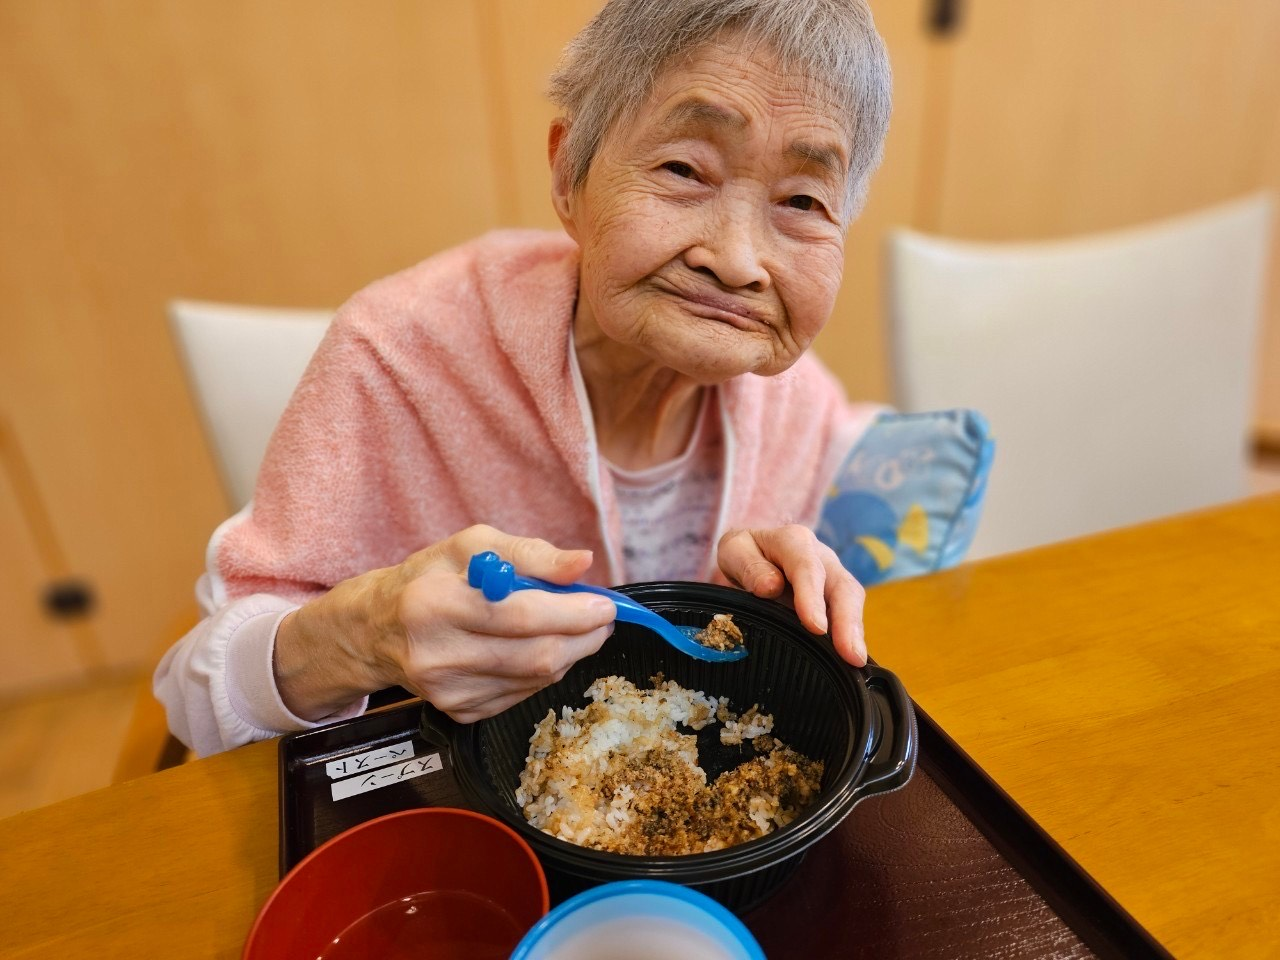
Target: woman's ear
(561, 175)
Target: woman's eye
(679, 169)
(802, 202)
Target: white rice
(580, 782)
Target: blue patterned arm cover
(908, 497)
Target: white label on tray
(369, 760)
(385, 777)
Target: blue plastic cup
(639, 920)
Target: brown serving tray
(948, 867)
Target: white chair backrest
(243, 364)
(1116, 370)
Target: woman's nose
(732, 247)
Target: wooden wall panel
(1069, 118)
(524, 45)
(278, 153)
(855, 342)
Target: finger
(468, 698)
(542, 659)
(536, 613)
(530, 556)
(743, 562)
(460, 696)
(470, 713)
(846, 600)
(585, 644)
(793, 550)
(440, 599)
(538, 558)
(797, 551)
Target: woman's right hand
(419, 624)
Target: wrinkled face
(710, 226)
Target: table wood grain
(171, 865)
(1121, 688)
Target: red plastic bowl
(435, 882)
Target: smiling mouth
(724, 309)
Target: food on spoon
(721, 633)
(617, 775)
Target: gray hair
(609, 69)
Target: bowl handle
(895, 758)
(436, 727)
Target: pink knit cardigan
(448, 394)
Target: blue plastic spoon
(496, 579)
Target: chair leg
(172, 754)
(148, 745)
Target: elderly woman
(634, 393)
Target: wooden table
(1121, 687)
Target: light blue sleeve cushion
(908, 497)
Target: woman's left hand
(826, 596)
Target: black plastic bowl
(858, 722)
